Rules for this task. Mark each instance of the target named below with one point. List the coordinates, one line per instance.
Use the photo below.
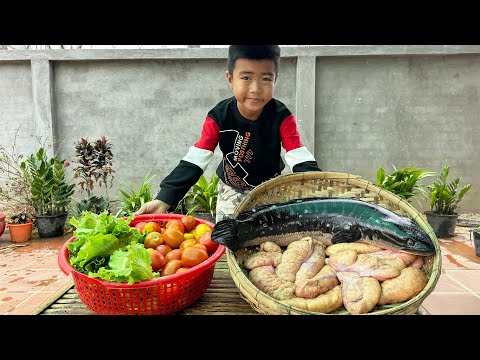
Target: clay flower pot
(20, 232)
(2, 223)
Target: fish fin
(225, 232)
(347, 235)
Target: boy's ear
(229, 79)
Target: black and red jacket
(251, 150)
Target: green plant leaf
(202, 197)
(443, 196)
(403, 182)
(132, 197)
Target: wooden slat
(52, 298)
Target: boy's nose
(254, 87)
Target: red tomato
(192, 256)
(171, 267)
(175, 254)
(189, 222)
(200, 229)
(158, 260)
(187, 243)
(164, 249)
(151, 226)
(206, 239)
(153, 239)
(201, 246)
(182, 269)
(173, 237)
(175, 224)
(139, 226)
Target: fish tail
(225, 232)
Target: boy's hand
(153, 207)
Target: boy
(249, 127)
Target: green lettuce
(97, 237)
(131, 265)
(100, 245)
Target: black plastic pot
(442, 225)
(476, 242)
(51, 225)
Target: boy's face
(252, 84)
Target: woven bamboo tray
(327, 184)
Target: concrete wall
(358, 107)
(16, 105)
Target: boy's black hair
(253, 52)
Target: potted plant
(444, 199)
(95, 165)
(202, 200)
(403, 182)
(132, 197)
(51, 192)
(15, 196)
(476, 240)
(20, 226)
(94, 204)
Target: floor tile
(14, 261)
(461, 262)
(452, 304)
(9, 300)
(28, 279)
(47, 262)
(446, 284)
(37, 302)
(60, 282)
(449, 262)
(30, 304)
(458, 255)
(470, 278)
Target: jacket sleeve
(297, 156)
(306, 166)
(174, 187)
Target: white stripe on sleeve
(199, 157)
(297, 156)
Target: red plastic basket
(159, 296)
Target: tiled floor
(30, 278)
(458, 289)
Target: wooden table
(221, 298)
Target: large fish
(330, 220)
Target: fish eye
(410, 242)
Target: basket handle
(63, 259)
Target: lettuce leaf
(130, 265)
(97, 237)
(100, 245)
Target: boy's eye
(245, 78)
(267, 79)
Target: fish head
(416, 241)
(225, 232)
